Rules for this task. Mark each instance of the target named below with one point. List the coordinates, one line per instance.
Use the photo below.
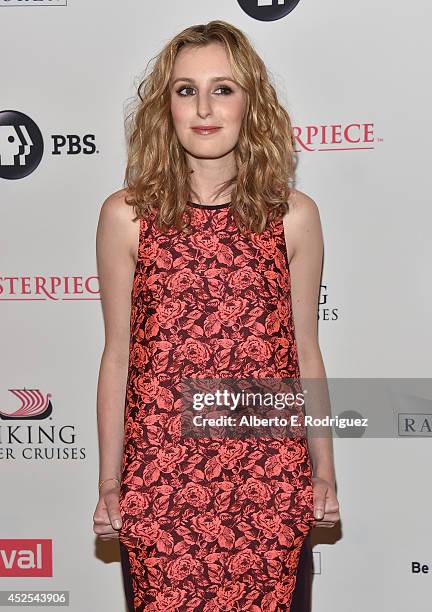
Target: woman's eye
(226, 90)
(181, 89)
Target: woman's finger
(101, 520)
(329, 519)
(113, 509)
(104, 529)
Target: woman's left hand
(326, 506)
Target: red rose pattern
(210, 525)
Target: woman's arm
(304, 240)
(116, 248)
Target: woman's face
(203, 94)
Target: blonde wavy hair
(157, 174)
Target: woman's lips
(205, 130)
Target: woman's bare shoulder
(302, 205)
(115, 206)
(116, 219)
(302, 222)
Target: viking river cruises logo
(28, 431)
(326, 311)
(34, 405)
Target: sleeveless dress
(210, 524)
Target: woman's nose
(203, 105)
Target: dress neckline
(198, 205)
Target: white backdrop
(70, 69)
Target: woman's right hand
(106, 518)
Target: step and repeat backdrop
(353, 76)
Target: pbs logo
(22, 145)
(268, 10)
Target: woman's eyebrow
(189, 80)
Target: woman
(207, 283)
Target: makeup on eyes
(225, 87)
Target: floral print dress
(210, 524)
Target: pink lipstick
(205, 129)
